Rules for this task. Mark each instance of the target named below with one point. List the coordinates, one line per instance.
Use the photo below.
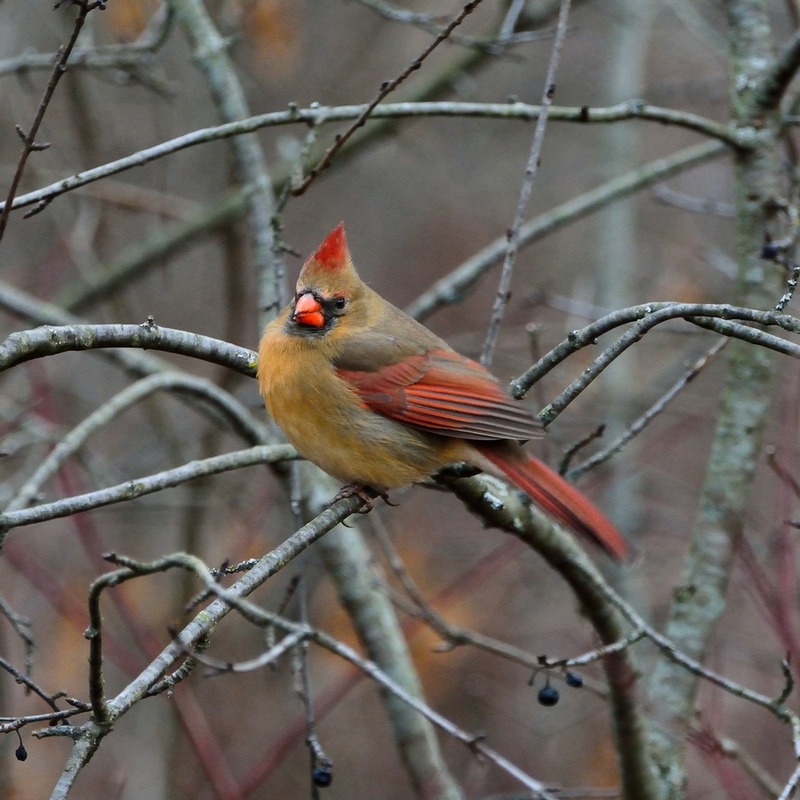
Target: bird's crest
(330, 269)
(333, 252)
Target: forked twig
(29, 143)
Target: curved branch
(319, 115)
(500, 507)
(234, 599)
(646, 317)
(48, 340)
(233, 410)
(131, 58)
(455, 286)
(87, 737)
(772, 87)
(138, 487)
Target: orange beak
(308, 311)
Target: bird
(379, 402)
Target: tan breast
(322, 416)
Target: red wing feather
(444, 392)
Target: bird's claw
(366, 493)
(385, 497)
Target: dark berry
(548, 696)
(574, 680)
(322, 776)
(21, 753)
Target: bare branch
(645, 318)
(317, 115)
(233, 411)
(88, 736)
(500, 507)
(457, 285)
(22, 627)
(130, 60)
(636, 427)
(265, 618)
(775, 83)
(29, 143)
(47, 341)
(138, 487)
(531, 169)
(387, 87)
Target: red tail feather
(559, 498)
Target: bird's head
(327, 286)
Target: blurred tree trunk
(619, 247)
(700, 596)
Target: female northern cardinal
(376, 400)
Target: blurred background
(417, 201)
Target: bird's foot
(366, 493)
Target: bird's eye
(340, 303)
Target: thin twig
(403, 15)
(698, 205)
(29, 143)
(636, 427)
(784, 474)
(31, 685)
(318, 757)
(8, 724)
(265, 659)
(457, 285)
(137, 261)
(130, 58)
(229, 406)
(431, 23)
(387, 87)
(21, 626)
(734, 751)
(531, 170)
(263, 618)
(453, 635)
(572, 451)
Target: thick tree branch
(502, 508)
